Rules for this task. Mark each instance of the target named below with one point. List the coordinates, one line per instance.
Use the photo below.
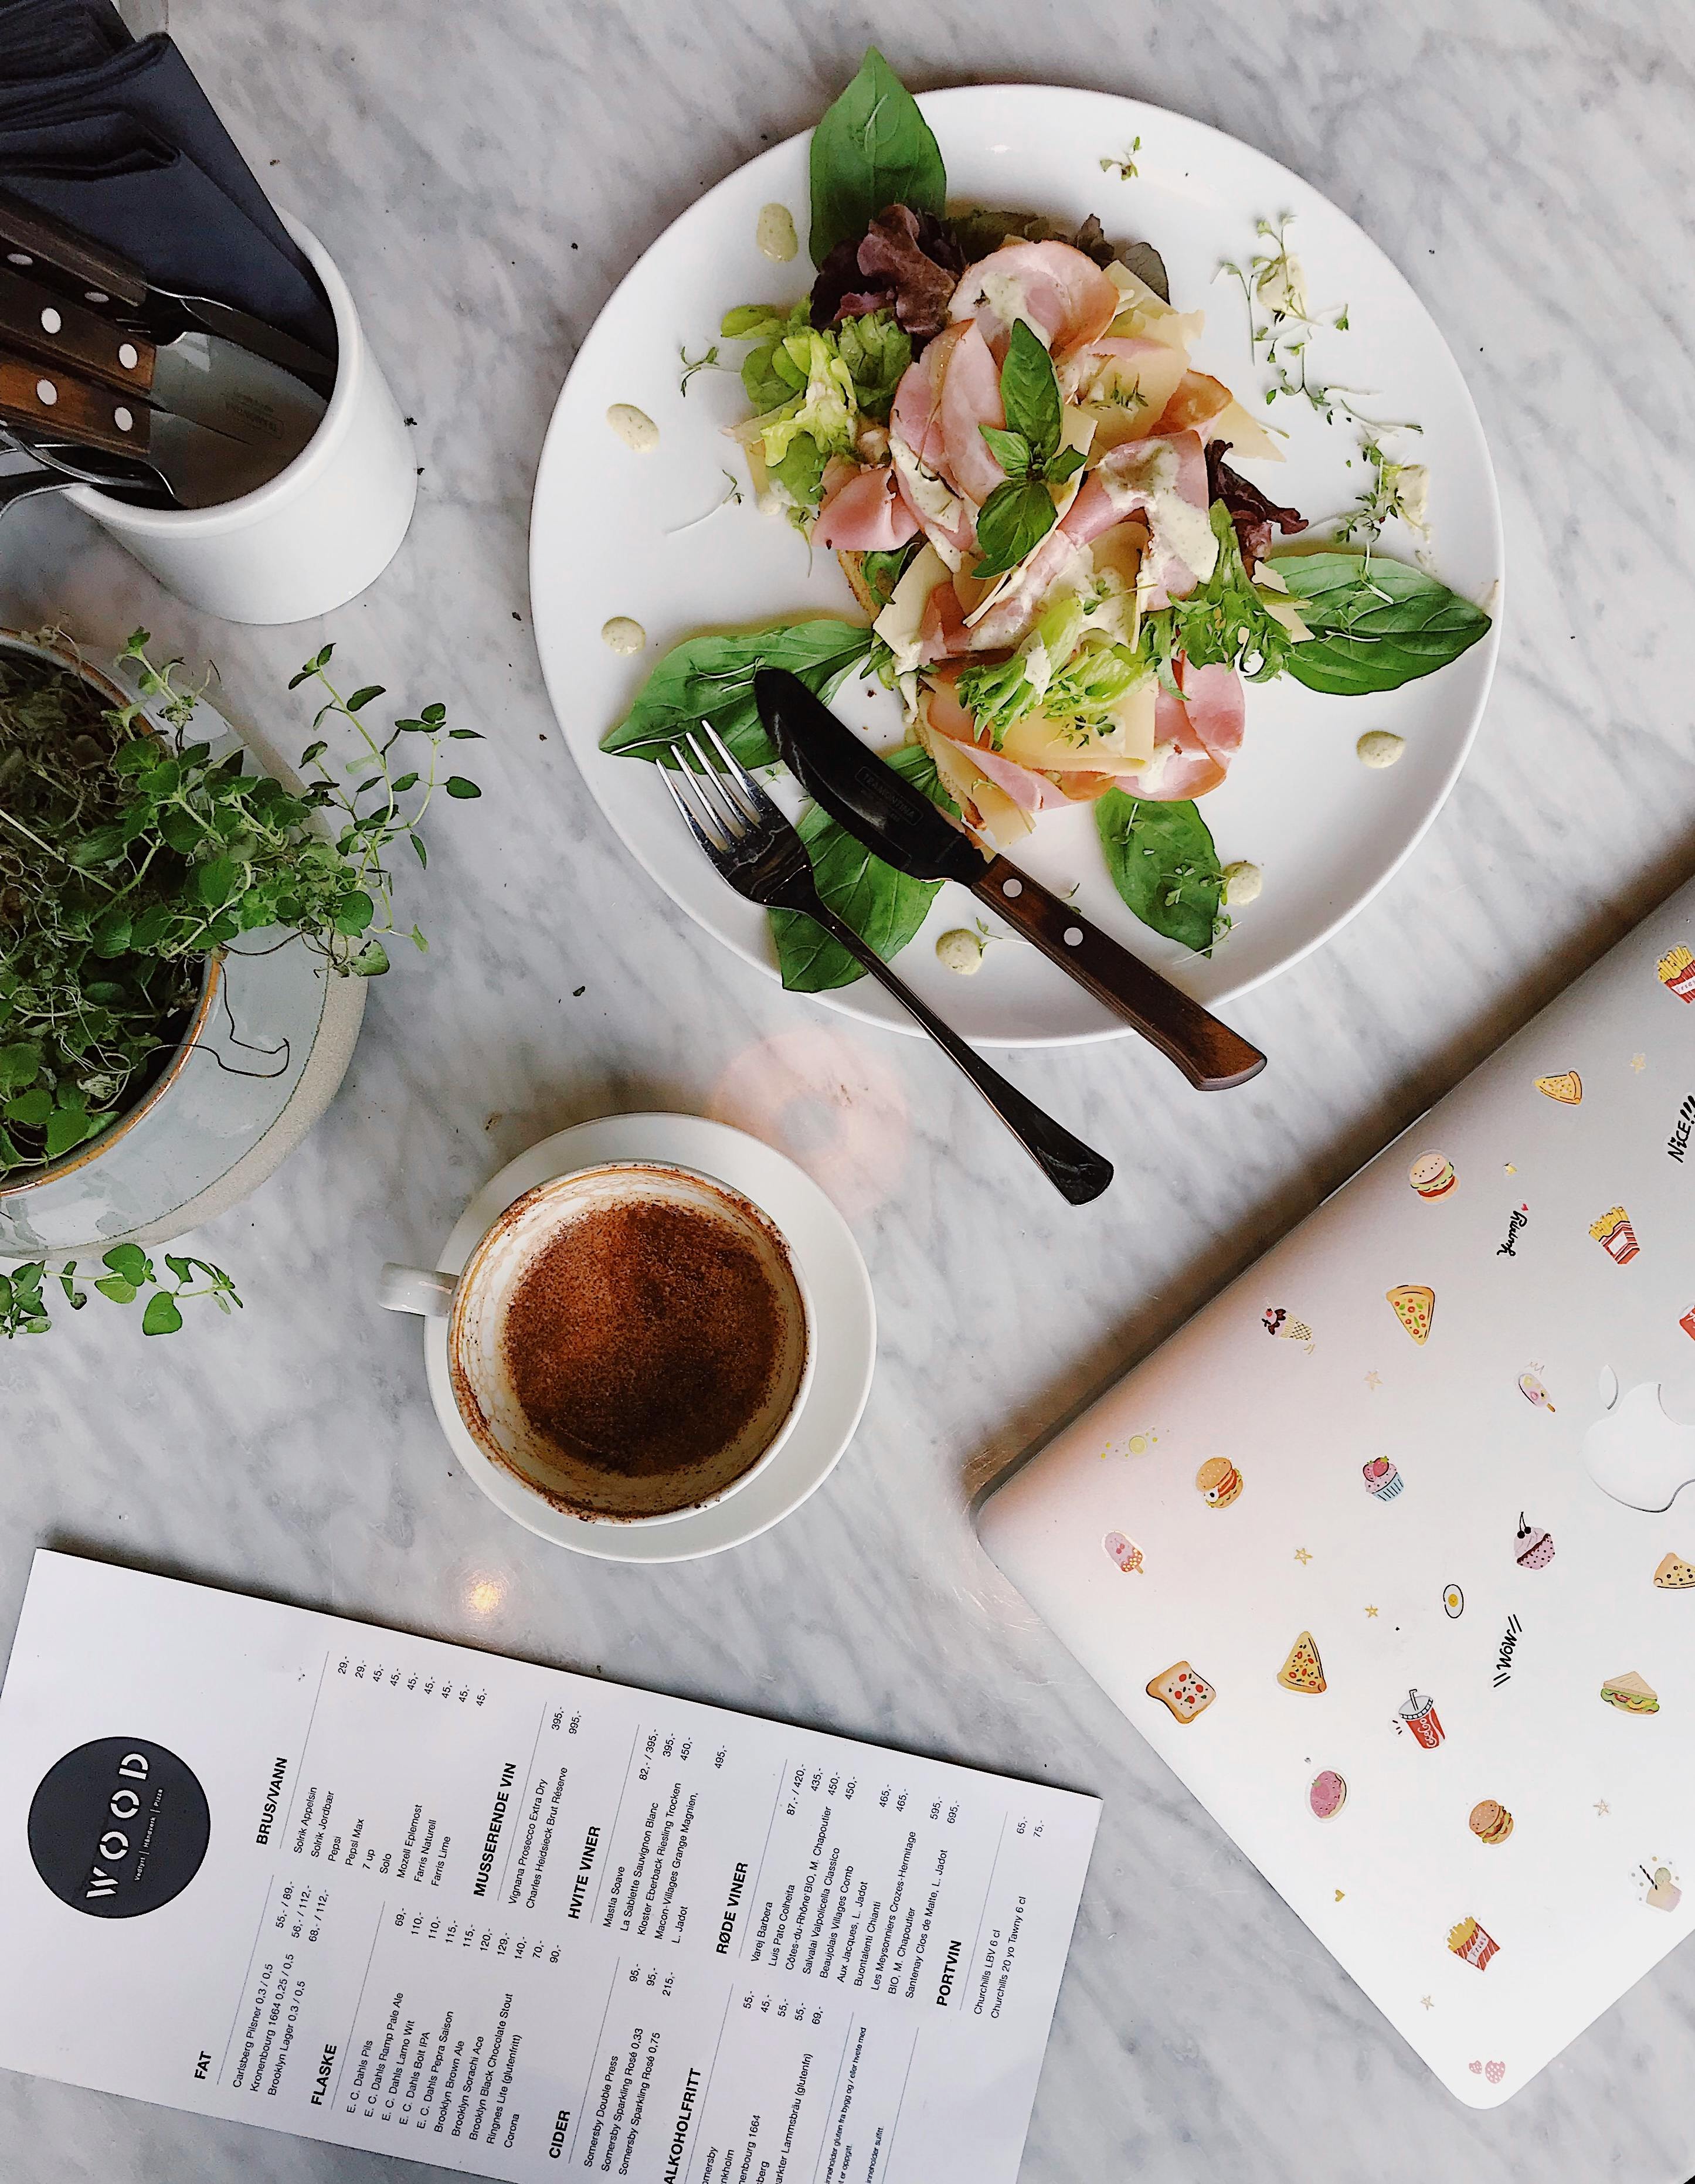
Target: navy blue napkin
(130, 151)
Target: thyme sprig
(1282, 323)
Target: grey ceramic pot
(270, 1040)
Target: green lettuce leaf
(710, 678)
(1375, 624)
(872, 149)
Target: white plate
(608, 538)
(845, 1315)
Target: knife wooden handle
(58, 403)
(35, 239)
(1210, 1055)
(47, 325)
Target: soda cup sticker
(1419, 1712)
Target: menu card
(260, 1863)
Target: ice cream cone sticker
(1612, 1232)
(1677, 970)
(1276, 1321)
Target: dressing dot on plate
(1377, 748)
(1011, 887)
(46, 393)
(1074, 936)
(623, 635)
(128, 355)
(51, 319)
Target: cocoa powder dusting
(644, 1338)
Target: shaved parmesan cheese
(1247, 436)
(901, 621)
(1146, 317)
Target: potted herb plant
(185, 943)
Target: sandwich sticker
(1302, 1670)
(1489, 1821)
(1218, 1482)
(1432, 1176)
(1631, 1693)
(1415, 1307)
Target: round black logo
(118, 1827)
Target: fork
(757, 851)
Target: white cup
(315, 535)
(475, 1303)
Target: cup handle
(415, 1289)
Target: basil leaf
(802, 472)
(710, 678)
(883, 567)
(1029, 391)
(884, 907)
(872, 149)
(1163, 865)
(1012, 450)
(1058, 468)
(764, 388)
(1016, 516)
(1375, 624)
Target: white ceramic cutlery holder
(316, 534)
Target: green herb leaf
(1029, 391)
(129, 1262)
(882, 568)
(20, 1063)
(110, 933)
(1016, 516)
(882, 907)
(1375, 624)
(116, 1287)
(370, 962)
(1012, 450)
(162, 1316)
(457, 785)
(363, 698)
(710, 678)
(1163, 864)
(356, 911)
(31, 1107)
(872, 149)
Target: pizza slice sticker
(1303, 1671)
(1415, 1307)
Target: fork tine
(758, 806)
(708, 786)
(685, 805)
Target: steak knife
(901, 825)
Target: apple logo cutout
(1634, 1451)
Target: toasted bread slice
(853, 568)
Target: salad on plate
(995, 427)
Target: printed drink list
(398, 1894)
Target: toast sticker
(1302, 1670)
(1182, 1691)
(1415, 1307)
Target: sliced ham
(1124, 384)
(1163, 480)
(916, 415)
(1197, 399)
(1196, 736)
(1008, 621)
(942, 634)
(1063, 296)
(866, 515)
(1030, 792)
(970, 399)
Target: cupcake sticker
(1471, 1945)
(1418, 1712)
(1676, 971)
(1534, 1547)
(1123, 1554)
(1381, 1478)
(1612, 1232)
(1533, 1391)
(1432, 1176)
(1218, 1482)
(1489, 1821)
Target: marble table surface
(484, 176)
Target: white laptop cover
(1436, 1682)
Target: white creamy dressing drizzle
(1179, 529)
(1377, 748)
(623, 635)
(633, 426)
(1007, 296)
(932, 499)
(774, 232)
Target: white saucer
(845, 1332)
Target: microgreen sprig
(27, 1304)
(1282, 323)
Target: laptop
(1390, 1551)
